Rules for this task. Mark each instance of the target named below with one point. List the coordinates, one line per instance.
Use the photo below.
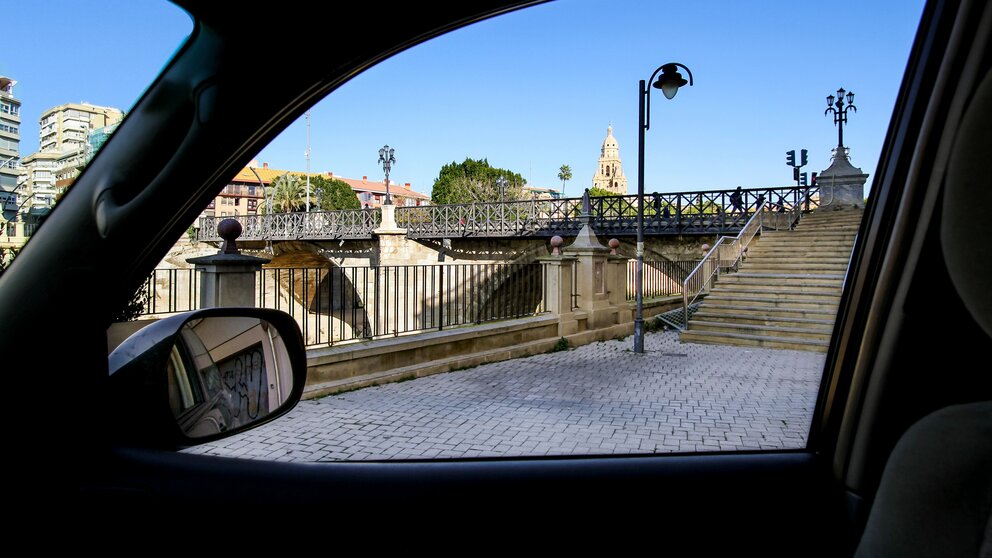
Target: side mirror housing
(204, 375)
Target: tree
(595, 192)
(290, 193)
(474, 181)
(564, 174)
(332, 194)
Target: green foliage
(560, 345)
(564, 174)
(289, 194)
(596, 192)
(474, 181)
(330, 194)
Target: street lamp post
(308, 161)
(3, 202)
(669, 82)
(386, 159)
(840, 114)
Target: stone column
(616, 282)
(558, 277)
(842, 185)
(228, 277)
(388, 223)
(592, 280)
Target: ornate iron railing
(328, 225)
(669, 213)
(499, 219)
(715, 212)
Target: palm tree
(289, 193)
(564, 174)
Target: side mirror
(205, 375)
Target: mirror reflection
(225, 373)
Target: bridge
(667, 214)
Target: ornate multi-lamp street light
(386, 159)
(501, 183)
(840, 114)
(669, 82)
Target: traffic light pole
(790, 160)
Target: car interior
(899, 457)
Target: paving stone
(597, 399)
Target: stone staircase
(786, 293)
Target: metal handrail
(737, 247)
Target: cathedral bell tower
(609, 173)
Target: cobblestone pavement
(596, 399)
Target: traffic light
(813, 180)
(802, 179)
(790, 158)
(795, 173)
(802, 159)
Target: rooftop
(363, 184)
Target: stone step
(717, 338)
(759, 259)
(791, 276)
(762, 330)
(805, 269)
(732, 315)
(846, 226)
(797, 251)
(807, 234)
(738, 301)
(776, 294)
(832, 218)
(812, 242)
(770, 312)
(785, 285)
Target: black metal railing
(343, 224)
(336, 304)
(661, 277)
(714, 212)
(172, 290)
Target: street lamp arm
(647, 100)
(830, 110)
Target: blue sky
(535, 89)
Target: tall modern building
(65, 147)
(10, 139)
(609, 173)
(66, 128)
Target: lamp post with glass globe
(386, 159)
(669, 82)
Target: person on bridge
(737, 200)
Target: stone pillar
(842, 185)
(228, 277)
(388, 224)
(558, 281)
(616, 282)
(592, 280)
